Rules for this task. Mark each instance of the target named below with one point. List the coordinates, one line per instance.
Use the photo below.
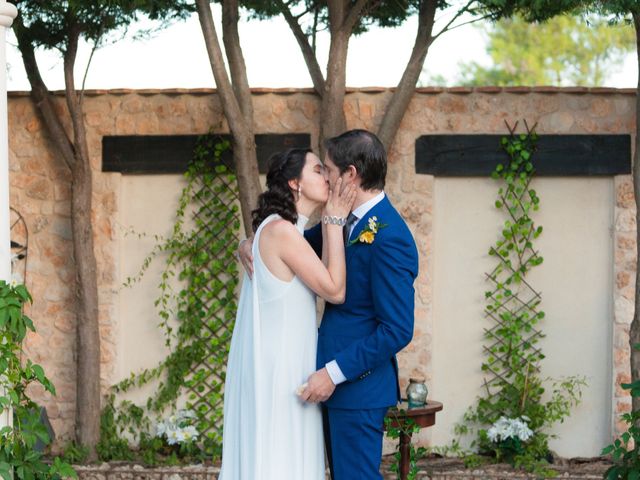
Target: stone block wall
(40, 191)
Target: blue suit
(363, 335)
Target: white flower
(505, 428)
(174, 436)
(190, 433)
(178, 427)
(373, 225)
(186, 415)
(161, 429)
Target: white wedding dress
(269, 433)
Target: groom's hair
(365, 152)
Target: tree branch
(353, 15)
(458, 14)
(86, 70)
(308, 52)
(71, 95)
(237, 66)
(41, 95)
(244, 148)
(473, 20)
(216, 59)
(401, 97)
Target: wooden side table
(423, 417)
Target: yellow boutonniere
(368, 233)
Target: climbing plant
(511, 416)
(197, 319)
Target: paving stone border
(439, 469)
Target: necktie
(351, 220)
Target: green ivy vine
(513, 389)
(202, 260)
(19, 457)
(625, 450)
(397, 425)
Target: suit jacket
(376, 320)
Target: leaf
(5, 471)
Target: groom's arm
(394, 267)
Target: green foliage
(18, 457)
(197, 319)
(74, 453)
(565, 50)
(396, 427)
(514, 388)
(48, 24)
(625, 451)
(383, 13)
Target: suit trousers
(353, 440)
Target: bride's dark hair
(278, 198)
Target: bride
(269, 432)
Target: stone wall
(40, 191)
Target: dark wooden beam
(556, 155)
(155, 154)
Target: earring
(299, 189)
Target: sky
(176, 58)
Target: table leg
(405, 442)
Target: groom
(357, 380)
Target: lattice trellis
(213, 281)
(512, 354)
(197, 319)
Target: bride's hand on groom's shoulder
(245, 256)
(319, 387)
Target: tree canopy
(565, 50)
(50, 25)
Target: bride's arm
(326, 278)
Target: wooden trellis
(512, 303)
(213, 283)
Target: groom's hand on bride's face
(319, 387)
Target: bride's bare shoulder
(279, 229)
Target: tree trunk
(403, 93)
(41, 97)
(308, 52)
(634, 329)
(87, 325)
(76, 157)
(332, 118)
(244, 148)
(237, 66)
(343, 17)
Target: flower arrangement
(508, 436)
(513, 428)
(178, 428)
(368, 233)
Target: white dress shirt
(337, 377)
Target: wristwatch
(333, 220)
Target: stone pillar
(7, 13)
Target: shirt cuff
(336, 375)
